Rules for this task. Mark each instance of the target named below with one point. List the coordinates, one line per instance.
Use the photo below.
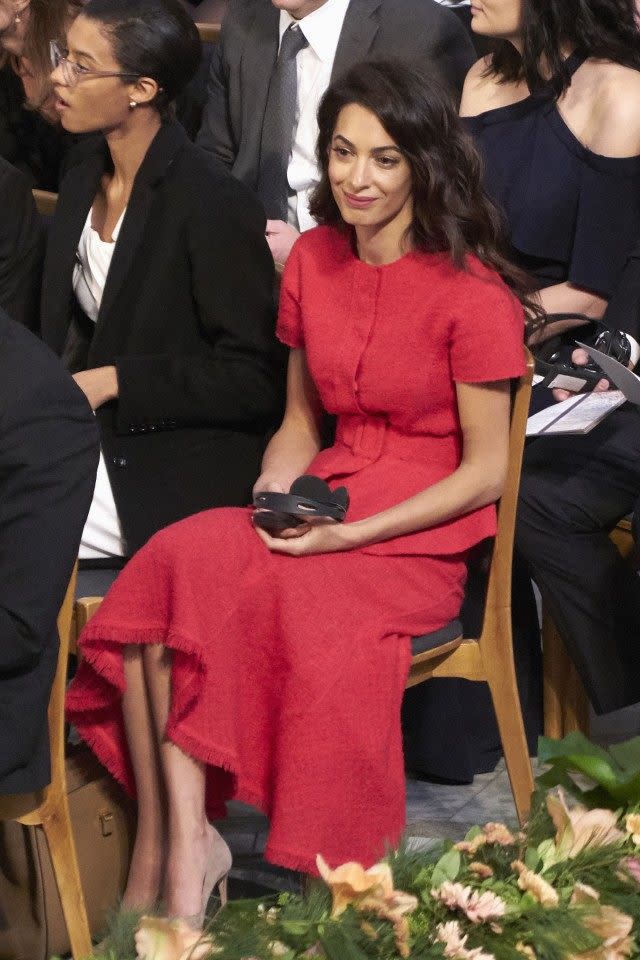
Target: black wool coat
(187, 319)
(21, 248)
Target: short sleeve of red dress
(487, 329)
(289, 326)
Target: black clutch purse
(309, 498)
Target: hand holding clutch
(309, 498)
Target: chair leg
(58, 831)
(506, 703)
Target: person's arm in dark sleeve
(215, 134)
(48, 459)
(623, 311)
(21, 249)
(234, 379)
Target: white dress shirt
(102, 535)
(322, 30)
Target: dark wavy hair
(451, 211)
(604, 29)
(151, 38)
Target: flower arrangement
(567, 888)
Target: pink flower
(477, 907)
(632, 866)
(454, 942)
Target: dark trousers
(573, 492)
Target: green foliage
(290, 927)
(613, 774)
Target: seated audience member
(158, 283)
(48, 457)
(271, 67)
(574, 490)
(21, 248)
(278, 662)
(30, 134)
(560, 134)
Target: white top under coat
(102, 535)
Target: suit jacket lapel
(358, 33)
(169, 140)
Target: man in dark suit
(48, 459)
(274, 61)
(574, 489)
(21, 248)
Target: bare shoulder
(476, 85)
(482, 90)
(616, 109)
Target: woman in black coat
(175, 348)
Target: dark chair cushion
(430, 641)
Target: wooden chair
(49, 807)
(489, 658)
(566, 705)
(209, 32)
(45, 202)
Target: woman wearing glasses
(158, 282)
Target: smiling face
(93, 102)
(497, 18)
(369, 175)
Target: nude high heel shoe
(216, 875)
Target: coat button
(119, 461)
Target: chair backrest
(209, 32)
(45, 202)
(498, 598)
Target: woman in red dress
(226, 662)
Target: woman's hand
(581, 358)
(98, 385)
(268, 483)
(308, 538)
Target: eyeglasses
(73, 72)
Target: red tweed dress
(288, 672)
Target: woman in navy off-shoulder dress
(560, 138)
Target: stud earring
(133, 104)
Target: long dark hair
(46, 20)
(604, 29)
(451, 211)
(151, 38)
